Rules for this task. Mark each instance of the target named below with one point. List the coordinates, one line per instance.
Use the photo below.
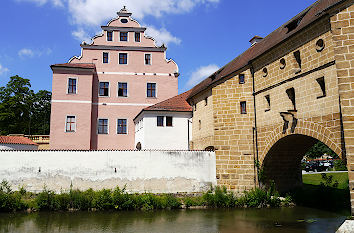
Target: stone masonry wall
(342, 22)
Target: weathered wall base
(140, 171)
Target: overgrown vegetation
(119, 199)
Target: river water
(297, 219)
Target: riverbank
(119, 199)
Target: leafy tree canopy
(320, 149)
(22, 111)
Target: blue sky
(201, 35)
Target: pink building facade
(97, 95)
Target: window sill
(71, 93)
(151, 97)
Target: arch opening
(282, 163)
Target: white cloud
(200, 74)
(57, 3)
(161, 36)
(30, 53)
(25, 53)
(3, 70)
(81, 35)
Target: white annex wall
(18, 147)
(176, 137)
(140, 171)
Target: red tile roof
(75, 65)
(16, 140)
(175, 104)
(307, 16)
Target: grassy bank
(329, 191)
(316, 179)
(119, 199)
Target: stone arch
(307, 128)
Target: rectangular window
(321, 82)
(267, 98)
(243, 107)
(72, 86)
(241, 78)
(122, 126)
(123, 58)
(70, 124)
(200, 124)
(122, 89)
(104, 89)
(105, 57)
(102, 126)
(160, 120)
(151, 90)
(291, 94)
(137, 36)
(147, 59)
(123, 36)
(169, 121)
(109, 36)
(206, 101)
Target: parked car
(317, 166)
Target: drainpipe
(255, 132)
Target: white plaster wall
(140, 171)
(17, 147)
(167, 138)
(139, 130)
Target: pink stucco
(88, 107)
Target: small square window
(241, 78)
(243, 107)
(122, 89)
(70, 124)
(102, 126)
(160, 120)
(104, 89)
(151, 90)
(109, 36)
(137, 36)
(123, 36)
(147, 59)
(206, 101)
(123, 58)
(72, 86)
(122, 126)
(169, 121)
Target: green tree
(21, 110)
(320, 149)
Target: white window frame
(139, 37)
(66, 118)
(112, 36)
(146, 91)
(127, 90)
(98, 120)
(127, 59)
(77, 85)
(103, 57)
(150, 59)
(124, 40)
(163, 121)
(117, 126)
(109, 89)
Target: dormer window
(109, 36)
(137, 36)
(123, 36)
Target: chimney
(255, 40)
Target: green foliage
(47, 200)
(9, 200)
(320, 149)
(328, 182)
(339, 165)
(21, 110)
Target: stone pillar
(342, 24)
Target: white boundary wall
(140, 171)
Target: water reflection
(296, 219)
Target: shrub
(46, 200)
(103, 199)
(339, 165)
